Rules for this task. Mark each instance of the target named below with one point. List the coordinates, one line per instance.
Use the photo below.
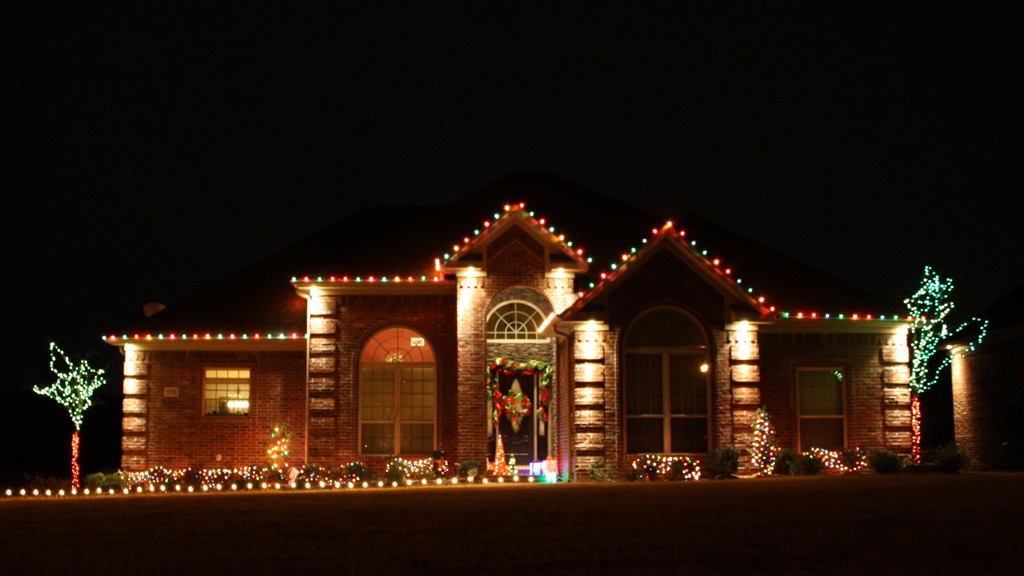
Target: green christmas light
(74, 385)
(73, 390)
(928, 308)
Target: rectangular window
(822, 410)
(397, 409)
(666, 403)
(226, 391)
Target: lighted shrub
(356, 472)
(806, 464)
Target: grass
(850, 524)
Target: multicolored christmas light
(765, 446)
(73, 388)
(279, 447)
(663, 467)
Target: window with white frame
(226, 391)
(822, 409)
(514, 320)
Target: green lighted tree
(928, 309)
(72, 389)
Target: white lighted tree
(928, 309)
(73, 388)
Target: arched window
(666, 380)
(514, 320)
(397, 394)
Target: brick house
(986, 389)
(405, 330)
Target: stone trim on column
(897, 428)
(135, 409)
(744, 386)
(590, 438)
(322, 374)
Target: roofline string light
(716, 262)
(614, 269)
(202, 337)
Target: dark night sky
(152, 150)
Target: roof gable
(740, 303)
(557, 254)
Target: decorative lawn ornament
(73, 390)
(928, 309)
(500, 464)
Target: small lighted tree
(73, 388)
(765, 445)
(928, 309)
(279, 447)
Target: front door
(523, 435)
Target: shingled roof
(403, 241)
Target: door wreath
(516, 405)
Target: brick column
(135, 407)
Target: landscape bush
(602, 471)
(884, 461)
(950, 459)
(724, 463)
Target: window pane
(417, 438)
(378, 439)
(644, 384)
(417, 394)
(824, 433)
(821, 393)
(644, 435)
(689, 435)
(689, 385)
(665, 328)
(225, 393)
(514, 321)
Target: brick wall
(877, 412)
(987, 396)
(164, 422)
(344, 324)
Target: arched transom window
(514, 320)
(666, 384)
(397, 394)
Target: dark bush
(784, 461)
(471, 468)
(102, 480)
(885, 461)
(949, 458)
(601, 471)
(724, 463)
